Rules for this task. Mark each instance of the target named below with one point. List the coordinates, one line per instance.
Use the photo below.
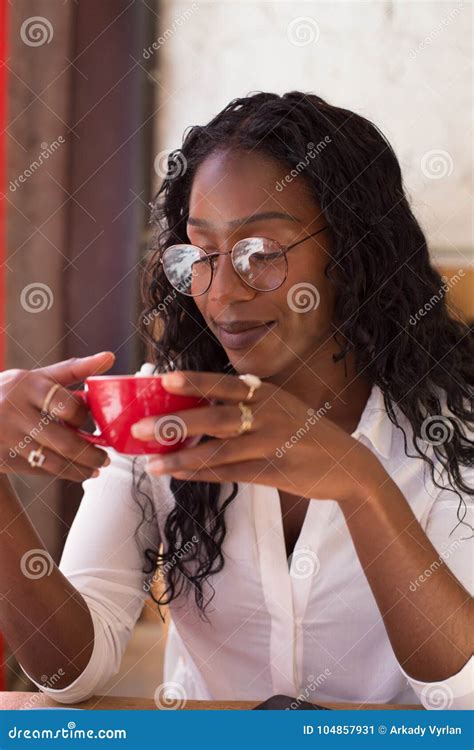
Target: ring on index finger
(48, 399)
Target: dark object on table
(282, 702)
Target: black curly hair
(382, 274)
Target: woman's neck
(319, 380)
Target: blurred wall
(404, 65)
(78, 165)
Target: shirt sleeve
(103, 559)
(454, 542)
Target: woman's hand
(23, 427)
(290, 446)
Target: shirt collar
(375, 423)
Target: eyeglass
(259, 261)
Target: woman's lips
(243, 339)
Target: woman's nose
(227, 286)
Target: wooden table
(13, 700)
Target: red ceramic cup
(118, 401)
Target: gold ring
(246, 418)
(36, 457)
(49, 396)
(253, 382)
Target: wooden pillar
(78, 129)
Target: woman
(318, 541)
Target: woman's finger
(209, 454)
(76, 369)
(53, 465)
(216, 421)
(63, 404)
(211, 385)
(60, 439)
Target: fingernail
(138, 430)
(107, 461)
(95, 473)
(173, 378)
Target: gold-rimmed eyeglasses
(259, 261)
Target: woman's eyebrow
(264, 216)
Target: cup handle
(95, 439)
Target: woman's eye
(265, 256)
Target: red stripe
(3, 189)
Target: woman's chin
(245, 362)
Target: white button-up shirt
(310, 628)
